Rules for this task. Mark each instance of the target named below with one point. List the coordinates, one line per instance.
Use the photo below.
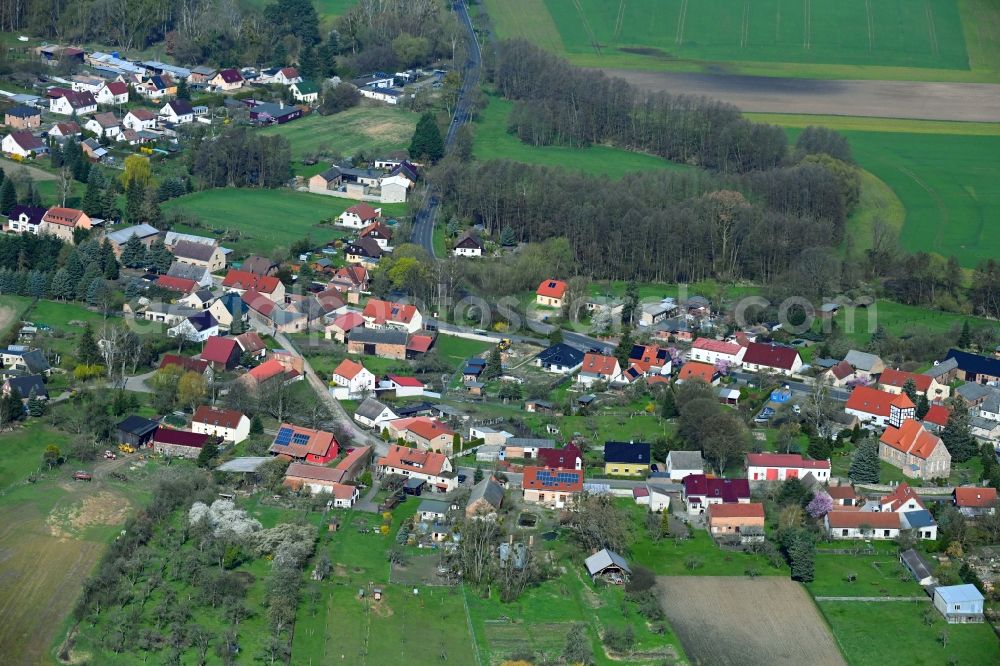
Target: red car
(83, 476)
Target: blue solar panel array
(284, 436)
(300, 439)
(548, 478)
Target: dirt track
(739, 621)
(885, 99)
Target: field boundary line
(681, 20)
(871, 26)
(472, 630)
(745, 25)
(620, 18)
(931, 28)
(866, 599)
(807, 24)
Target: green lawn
(494, 142)
(938, 40)
(254, 220)
(372, 129)
(454, 348)
(21, 451)
(57, 315)
(878, 575)
(899, 319)
(868, 124)
(894, 632)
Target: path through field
(882, 99)
(7, 316)
(11, 167)
(745, 621)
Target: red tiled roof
(355, 274)
(752, 510)
(353, 457)
(900, 496)
(419, 343)
(313, 442)
(696, 370)
(189, 364)
(68, 129)
(975, 498)
(785, 460)
(401, 380)
(172, 283)
(599, 364)
(897, 378)
(307, 472)
(911, 437)
(429, 428)
(179, 437)
(67, 217)
(532, 482)
(346, 322)
(258, 302)
(227, 418)
(770, 355)
(841, 492)
(363, 211)
(266, 370)
(219, 349)
(870, 400)
(290, 72)
(560, 458)
(383, 311)
(348, 369)
(551, 288)
(938, 415)
(376, 229)
(842, 370)
(142, 114)
(854, 519)
(120, 88)
(718, 346)
(239, 279)
(414, 460)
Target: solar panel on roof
(300, 439)
(284, 436)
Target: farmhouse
(781, 466)
(556, 488)
(714, 352)
(920, 454)
(433, 468)
(62, 222)
(729, 519)
(177, 284)
(325, 181)
(684, 463)
(322, 480)
(359, 216)
(700, 491)
(550, 293)
(226, 424)
(598, 368)
(626, 458)
(560, 358)
(959, 603)
(862, 525)
(352, 380)
(315, 446)
(879, 408)
(355, 462)
(22, 143)
(893, 381)
(771, 357)
(180, 443)
(373, 413)
(209, 257)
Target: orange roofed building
(696, 370)
(557, 488)
(550, 293)
(434, 468)
(726, 519)
(879, 408)
(315, 446)
(920, 454)
(62, 222)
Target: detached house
(879, 408)
(714, 352)
(305, 92)
(315, 446)
(208, 256)
(66, 102)
(22, 117)
(103, 124)
(626, 458)
(555, 488)
(227, 79)
(782, 466)
(862, 525)
(550, 293)
(693, 370)
(352, 380)
(62, 222)
(648, 360)
(322, 480)
(469, 245)
(599, 368)
(112, 93)
(426, 433)
(22, 144)
(226, 424)
(221, 353)
(433, 468)
(893, 381)
(974, 502)
(746, 520)
(178, 111)
(378, 232)
(24, 219)
(385, 314)
(771, 357)
(359, 216)
(681, 464)
(139, 120)
(373, 414)
(920, 454)
(700, 491)
(560, 358)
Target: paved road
(516, 478)
(797, 387)
(423, 221)
(576, 339)
(884, 99)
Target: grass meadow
(261, 220)
(935, 40)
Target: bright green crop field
(883, 39)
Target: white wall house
(705, 350)
(227, 424)
(139, 120)
(352, 380)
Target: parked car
(765, 415)
(80, 475)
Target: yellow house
(626, 458)
(550, 293)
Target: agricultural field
(865, 641)
(494, 142)
(893, 39)
(729, 620)
(374, 130)
(259, 221)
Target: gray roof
(981, 423)
(193, 250)
(172, 237)
(33, 360)
(28, 383)
(539, 443)
(862, 360)
(204, 295)
(686, 459)
(992, 403)
(434, 506)
(187, 271)
(916, 564)
(370, 408)
(248, 464)
(972, 391)
(918, 519)
(958, 593)
(603, 559)
(488, 490)
(377, 336)
(941, 368)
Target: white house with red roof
(901, 500)
(550, 293)
(242, 281)
(707, 350)
(973, 502)
(919, 453)
(226, 424)
(386, 314)
(425, 432)
(22, 143)
(771, 357)
(139, 120)
(893, 381)
(403, 386)
(599, 368)
(434, 468)
(782, 466)
(359, 216)
(878, 408)
(646, 361)
(112, 92)
(352, 380)
(342, 325)
(556, 488)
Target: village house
(222, 353)
(325, 181)
(550, 293)
(771, 357)
(201, 75)
(227, 424)
(387, 315)
(879, 408)
(364, 251)
(560, 358)
(62, 131)
(179, 285)
(178, 443)
(736, 519)
(714, 352)
(554, 488)
(959, 604)
(378, 232)
(258, 286)
(862, 525)
(433, 468)
(893, 381)
(352, 380)
(426, 433)
(700, 491)
(651, 496)
(305, 444)
(485, 499)
(146, 234)
(251, 344)
(112, 93)
(901, 500)
(782, 466)
(693, 370)
(527, 448)
(139, 120)
(23, 144)
(648, 360)
(568, 457)
(322, 480)
(305, 92)
(340, 327)
(210, 257)
(227, 80)
(229, 310)
(359, 216)
(187, 364)
(268, 372)
(840, 375)
(19, 358)
(24, 219)
(195, 328)
(373, 414)
(22, 118)
(401, 386)
(468, 245)
(680, 464)
(384, 343)
(25, 385)
(626, 458)
(94, 151)
(920, 454)
(68, 102)
(104, 124)
(974, 368)
(975, 502)
(177, 111)
(599, 368)
(844, 496)
(284, 76)
(62, 222)
(866, 366)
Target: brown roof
(413, 460)
(898, 378)
(106, 119)
(227, 418)
(142, 114)
(67, 217)
(363, 211)
(250, 342)
(306, 472)
(841, 492)
(854, 519)
(259, 265)
(753, 510)
(305, 441)
(975, 498)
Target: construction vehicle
(504, 344)
(126, 448)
